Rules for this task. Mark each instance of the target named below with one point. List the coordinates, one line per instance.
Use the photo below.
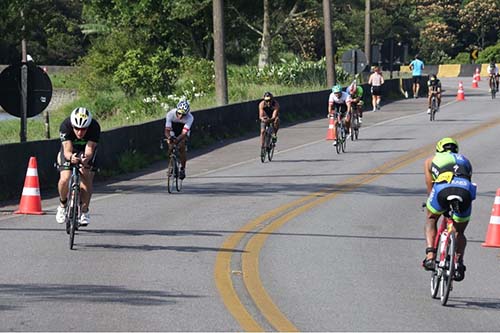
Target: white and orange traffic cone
(330, 134)
(31, 202)
(478, 75)
(474, 82)
(460, 92)
(493, 233)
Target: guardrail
(214, 123)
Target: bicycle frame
(74, 207)
(173, 170)
(268, 148)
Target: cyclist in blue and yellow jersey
(434, 85)
(337, 104)
(79, 135)
(355, 100)
(448, 173)
(416, 67)
(269, 113)
(178, 124)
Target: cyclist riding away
(337, 105)
(79, 135)
(269, 111)
(434, 85)
(493, 71)
(177, 129)
(355, 100)
(448, 173)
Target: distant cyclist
(79, 135)
(178, 124)
(355, 100)
(269, 113)
(448, 173)
(337, 106)
(493, 71)
(434, 85)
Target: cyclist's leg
(276, 125)
(86, 186)
(262, 133)
(438, 97)
(64, 176)
(434, 211)
(182, 152)
(348, 122)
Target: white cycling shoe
(85, 219)
(61, 214)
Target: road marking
(260, 228)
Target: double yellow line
(250, 239)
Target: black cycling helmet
(268, 96)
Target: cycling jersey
(434, 84)
(66, 133)
(269, 109)
(493, 70)
(333, 99)
(356, 95)
(451, 174)
(179, 125)
(445, 166)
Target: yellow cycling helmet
(447, 144)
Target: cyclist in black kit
(79, 135)
(269, 111)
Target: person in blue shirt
(416, 67)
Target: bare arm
(428, 175)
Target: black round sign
(39, 90)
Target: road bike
(493, 86)
(445, 244)
(340, 134)
(355, 125)
(73, 210)
(174, 182)
(434, 107)
(269, 144)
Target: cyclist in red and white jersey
(493, 71)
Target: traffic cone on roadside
(31, 202)
(478, 75)
(493, 233)
(474, 82)
(460, 92)
(330, 134)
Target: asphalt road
(313, 241)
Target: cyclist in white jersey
(337, 104)
(177, 129)
(493, 71)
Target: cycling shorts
(437, 203)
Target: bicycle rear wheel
(355, 133)
(433, 109)
(448, 270)
(171, 174)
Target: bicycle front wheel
(178, 180)
(270, 152)
(448, 270)
(344, 139)
(73, 216)
(171, 175)
(338, 139)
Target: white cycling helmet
(81, 118)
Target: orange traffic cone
(31, 202)
(474, 82)
(493, 233)
(460, 92)
(478, 75)
(330, 134)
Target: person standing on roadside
(376, 81)
(416, 67)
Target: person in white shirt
(376, 81)
(337, 108)
(177, 129)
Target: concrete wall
(218, 123)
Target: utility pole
(368, 35)
(330, 61)
(24, 85)
(219, 53)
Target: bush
(196, 79)
(491, 53)
(461, 58)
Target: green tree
(482, 17)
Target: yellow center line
(250, 256)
